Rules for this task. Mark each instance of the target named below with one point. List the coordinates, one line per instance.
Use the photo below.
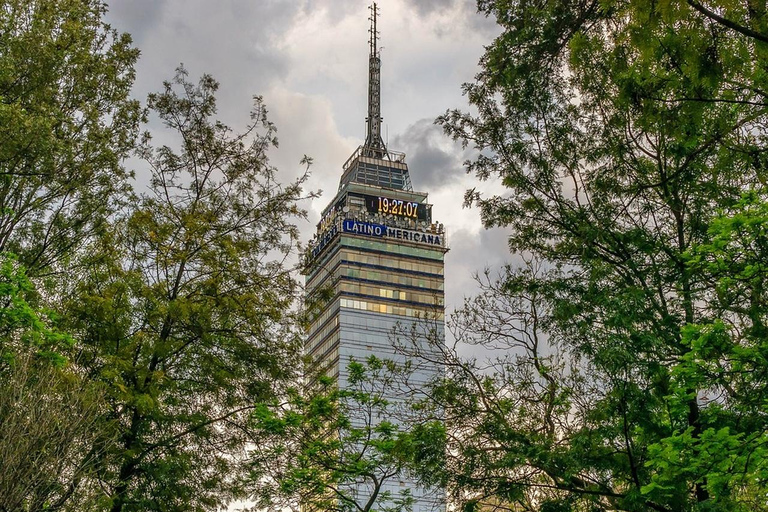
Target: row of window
(376, 307)
(381, 176)
(388, 293)
(383, 276)
(330, 367)
(394, 248)
(381, 260)
(321, 271)
(320, 319)
(392, 261)
(318, 281)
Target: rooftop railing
(392, 156)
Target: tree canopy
(139, 324)
(327, 448)
(629, 138)
(183, 307)
(68, 122)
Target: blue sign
(364, 228)
(381, 231)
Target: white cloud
(309, 60)
(306, 126)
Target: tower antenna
(374, 145)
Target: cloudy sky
(309, 59)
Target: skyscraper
(379, 254)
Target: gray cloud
(462, 17)
(230, 39)
(309, 60)
(337, 10)
(478, 21)
(434, 160)
(137, 17)
(428, 7)
(472, 253)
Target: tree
(68, 121)
(324, 446)
(619, 131)
(183, 308)
(47, 411)
(49, 418)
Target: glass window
(432, 313)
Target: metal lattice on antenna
(374, 145)
(372, 163)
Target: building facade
(379, 254)
(377, 263)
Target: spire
(374, 145)
(379, 167)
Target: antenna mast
(374, 145)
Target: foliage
(48, 435)
(47, 411)
(331, 448)
(619, 130)
(23, 329)
(183, 307)
(68, 121)
(178, 301)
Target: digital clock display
(398, 207)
